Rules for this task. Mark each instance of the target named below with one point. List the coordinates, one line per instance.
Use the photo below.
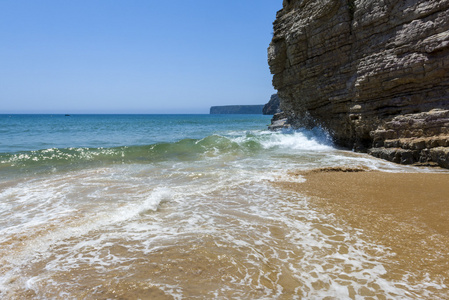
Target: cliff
(237, 109)
(373, 73)
(272, 107)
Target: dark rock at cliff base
(279, 121)
(371, 72)
(237, 109)
(414, 138)
(272, 107)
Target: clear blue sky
(133, 56)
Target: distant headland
(271, 108)
(237, 109)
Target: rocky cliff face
(371, 72)
(272, 107)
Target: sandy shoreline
(406, 212)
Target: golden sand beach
(406, 212)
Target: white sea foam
(44, 217)
(151, 203)
(104, 220)
(306, 140)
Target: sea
(179, 207)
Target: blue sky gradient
(137, 56)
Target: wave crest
(240, 144)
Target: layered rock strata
(407, 139)
(364, 69)
(279, 121)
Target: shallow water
(116, 215)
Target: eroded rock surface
(272, 107)
(359, 68)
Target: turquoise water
(37, 143)
(178, 207)
(37, 132)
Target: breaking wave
(235, 144)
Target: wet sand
(405, 212)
